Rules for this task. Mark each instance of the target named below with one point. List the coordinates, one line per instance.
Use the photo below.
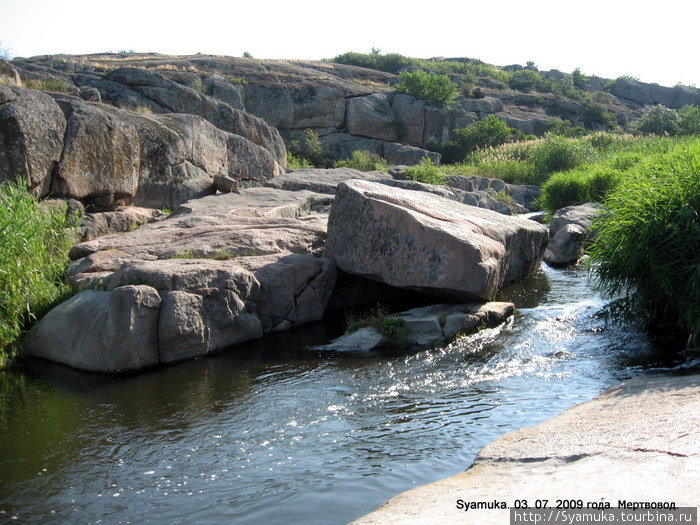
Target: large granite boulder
(322, 180)
(569, 232)
(100, 154)
(424, 242)
(581, 215)
(221, 276)
(342, 146)
(566, 247)
(101, 331)
(650, 94)
(32, 127)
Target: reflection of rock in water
(527, 293)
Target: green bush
(396, 330)
(689, 120)
(426, 172)
(524, 80)
(564, 128)
(585, 184)
(593, 113)
(648, 243)
(487, 133)
(432, 88)
(659, 120)
(364, 161)
(34, 243)
(307, 152)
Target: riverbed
(273, 433)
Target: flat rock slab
(639, 441)
(424, 242)
(322, 180)
(255, 202)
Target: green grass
(363, 161)
(34, 243)
(295, 162)
(648, 243)
(536, 161)
(426, 172)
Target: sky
(654, 41)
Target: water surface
(272, 433)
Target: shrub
(689, 120)
(199, 86)
(426, 172)
(564, 128)
(594, 113)
(432, 88)
(586, 184)
(659, 120)
(524, 80)
(487, 133)
(396, 330)
(364, 161)
(34, 243)
(648, 244)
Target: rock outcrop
(108, 157)
(350, 107)
(32, 127)
(221, 277)
(424, 242)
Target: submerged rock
(424, 242)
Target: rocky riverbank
(231, 267)
(636, 442)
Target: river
(272, 433)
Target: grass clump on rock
(648, 243)
(363, 161)
(426, 172)
(34, 243)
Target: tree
(580, 80)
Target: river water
(271, 433)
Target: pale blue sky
(655, 41)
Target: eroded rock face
(182, 99)
(32, 127)
(421, 241)
(221, 276)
